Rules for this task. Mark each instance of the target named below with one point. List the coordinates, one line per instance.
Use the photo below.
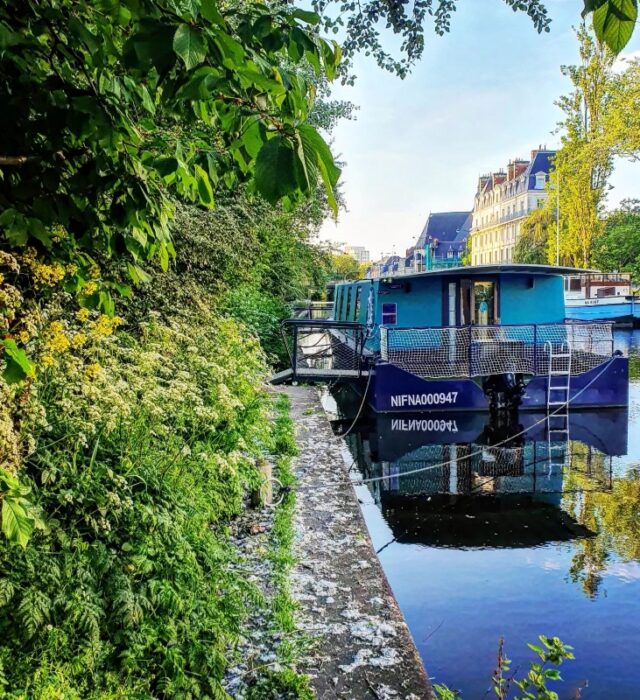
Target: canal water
(538, 537)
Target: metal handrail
(359, 336)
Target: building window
(389, 314)
(540, 203)
(540, 180)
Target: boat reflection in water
(487, 528)
(475, 480)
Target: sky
(481, 95)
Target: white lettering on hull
(425, 425)
(442, 398)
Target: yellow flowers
(56, 340)
(47, 361)
(93, 370)
(105, 325)
(47, 275)
(89, 288)
(83, 315)
(78, 340)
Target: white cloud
(624, 59)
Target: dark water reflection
(537, 538)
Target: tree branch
(17, 160)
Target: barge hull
(392, 389)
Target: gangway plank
(311, 375)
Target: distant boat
(601, 296)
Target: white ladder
(558, 393)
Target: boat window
(389, 314)
(347, 313)
(356, 310)
(484, 296)
(575, 284)
(338, 304)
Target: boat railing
(313, 310)
(324, 348)
(473, 351)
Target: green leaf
(253, 138)
(329, 171)
(17, 365)
(189, 45)
(137, 274)
(84, 35)
(275, 169)
(204, 187)
(147, 101)
(15, 227)
(17, 524)
(306, 16)
(232, 51)
(209, 10)
(614, 22)
(165, 166)
(163, 254)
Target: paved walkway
(363, 647)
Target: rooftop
(499, 269)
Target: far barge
(475, 338)
(601, 296)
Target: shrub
(144, 447)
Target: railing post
(294, 354)
(535, 350)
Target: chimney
(499, 177)
(482, 181)
(511, 168)
(520, 166)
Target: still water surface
(538, 538)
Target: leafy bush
(262, 314)
(144, 448)
(533, 686)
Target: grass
(286, 682)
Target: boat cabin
(598, 285)
(489, 295)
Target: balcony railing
(473, 351)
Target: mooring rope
(362, 403)
(373, 479)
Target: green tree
(344, 267)
(601, 123)
(129, 102)
(531, 247)
(622, 117)
(361, 24)
(583, 164)
(618, 248)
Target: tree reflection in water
(614, 515)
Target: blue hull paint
(393, 436)
(395, 390)
(619, 313)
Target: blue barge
(477, 338)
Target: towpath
(363, 648)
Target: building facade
(360, 253)
(502, 202)
(441, 243)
